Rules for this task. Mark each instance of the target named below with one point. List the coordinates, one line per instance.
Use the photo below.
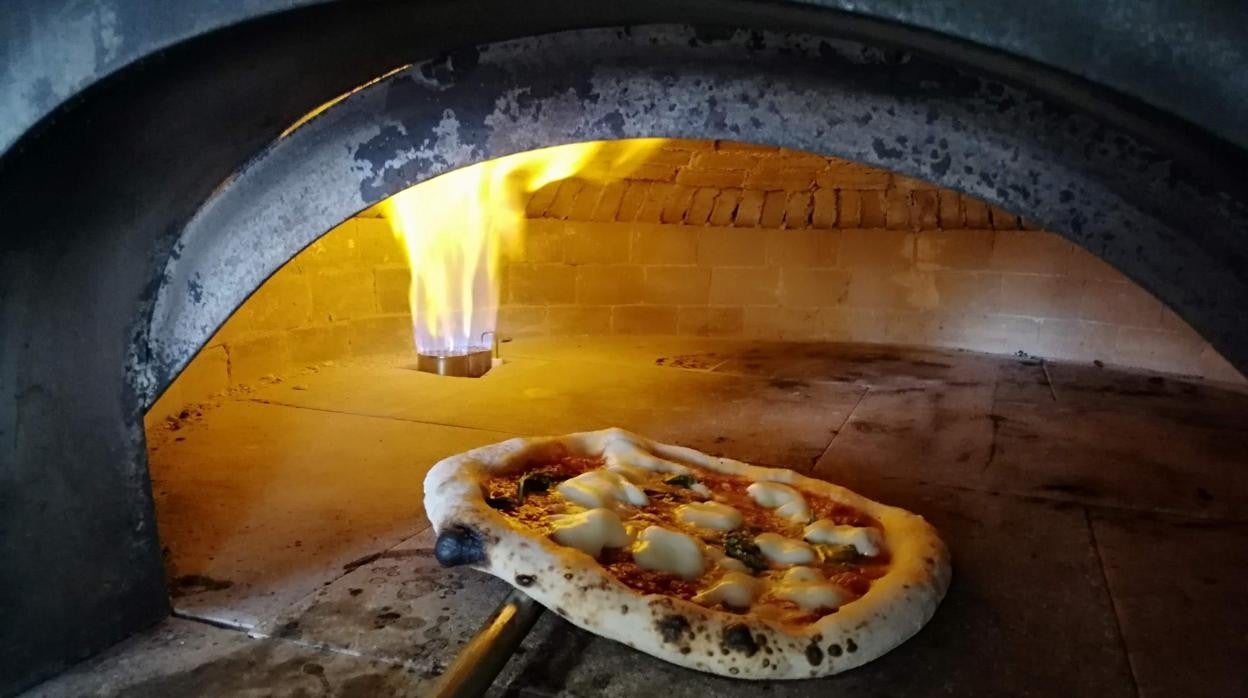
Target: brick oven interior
(1074, 441)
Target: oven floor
(1097, 518)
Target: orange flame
(459, 227)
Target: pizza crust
(748, 646)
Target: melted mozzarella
(802, 574)
(720, 517)
(867, 541)
(602, 488)
(590, 531)
(629, 472)
(735, 590)
(808, 589)
(668, 551)
(701, 490)
(784, 551)
(722, 561)
(621, 452)
(787, 501)
(732, 564)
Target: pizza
(709, 563)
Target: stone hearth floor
(1098, 519)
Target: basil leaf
(741, 546)
(501, 503)
(533, 482)
(686, 481)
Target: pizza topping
(668, 551)
(685, 481)
(630, 472)
(602, 488)
(807, 588)
(590, 531)
(801, 574)
(534, 482)
(735, 590)
(787, 501)
(652, 524)
(837, 553)
(867, 541)
(784, 551)
(689, 482)
(740, 547)
(622, 452)
(723, 562)
(720, 517)
(502, 503)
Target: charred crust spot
(733, 670)
(814, 655)
(672, 627)
(738, 638)
(686, 649)
(560, 611)
(834, 650)
(459, 545)
(624, 609)
(567, 575)
(525, 580)
(766, 662)
(851, 646)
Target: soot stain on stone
(1071, 488)
(188, 584)
(738, 638)
(350, 566)
(525, 580)
(672, 627)
(555, 659)
(867, 427)
(383, 619)
(923, 363)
